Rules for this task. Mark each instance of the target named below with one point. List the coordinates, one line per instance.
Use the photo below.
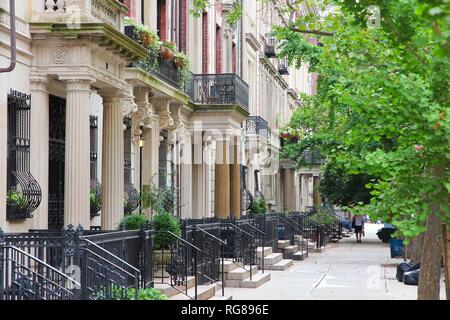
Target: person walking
(358, 225)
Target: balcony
(218, 89)
(270, 46)
(256, 125)
(111, 12)
(312, 157)
(283, 67)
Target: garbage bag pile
(408, 273)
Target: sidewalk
(344, 271)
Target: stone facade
(77, 52)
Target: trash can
(396, 247)
(281, 232)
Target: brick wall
(131, 5)
(205, 44)
(184, 35)
(219, 42)
(162, 19)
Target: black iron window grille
(131, 199)
(283, 67)
(270, 46)
(24, 193)
(246, 195)
(96, 188)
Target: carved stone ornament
(59, 55)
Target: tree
(382, 111)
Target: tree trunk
(430, 265)
(446, 255)
(417, 247)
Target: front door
(57, 134)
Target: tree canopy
(381, 110)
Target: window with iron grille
(96, 187)
(131, 195)
(24, 193)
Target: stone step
(290, 249)
(267, 251)
(300, 255)
(237, 274)
(203, 293)
(272, 259)
(318, 250)
(228, 266)
(334, 240)
(221, 298)
(257, 280)
(283, 244)
(170, 291)
(282, 265)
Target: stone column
(112, 161)
(77, 157)
(288, 190)
(235, 180)
(222, 179)
(316, 192)
(39, 145)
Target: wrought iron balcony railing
(218, 89)
(256, 125)
(270, 46)
(164, 70)
(313, 157)
(283, 67)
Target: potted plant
(134, 222)
(180, 60)
(165, 225)
(259, 206)
(15, 198)
(168, 50)
(146, 36)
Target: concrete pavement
(344, 271)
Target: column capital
(39, 82)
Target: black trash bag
(411, 278)
(401, 268)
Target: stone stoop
(204, 292)
(274, 261)
(238, 277)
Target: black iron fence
(73, 256)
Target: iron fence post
(223, 271)
(2, 254)
(195, 273)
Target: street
(346, 271)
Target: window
(96, 187)
(23, 191)
(131, 195)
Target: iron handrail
(65, 276)
(209, 235)
(110, 254)
(222, 243)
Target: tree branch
(317, 32)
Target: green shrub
(259, 206)
(134, 222)
(323, 217)
(164, 221)
(117, 293)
